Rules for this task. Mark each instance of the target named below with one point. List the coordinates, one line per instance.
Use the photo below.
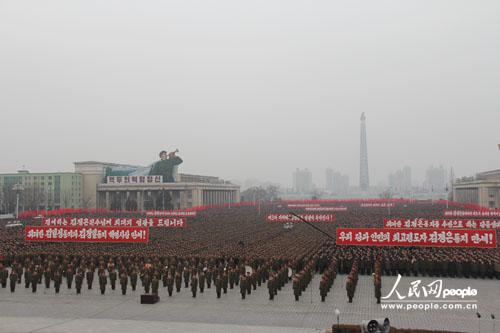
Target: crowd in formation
(236, 248)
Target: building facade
(400, 181)
(483, 189)
(40, 191)
(112, 190)
(302, 181)
(435, 179)
(336, 182)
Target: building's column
(107, 200)
(138, 198)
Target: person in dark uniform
(147, 283)
(27, 278)
(202, 281)
(350, 289)
(57, 281)
(296, 287)
(209, 278)
(225, 281)
(170, 284)
(124, 282)
(4, 276)
(103, 280)
(69, 276)
(271, 287)
(194, 284)
(89, 275)
(13, 280)
(112, 277)
(378, 289)
(178, 281)
(243, 286)
(323, 288)
(186, 277)
(249, 283)
(155, 284)
(34, 280)
(46, 275)
(78, 282)
(133, 279)
(218, 286)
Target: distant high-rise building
(336, 182)
(400, 181)
(302, 181)
(364, 181)
(435, 179)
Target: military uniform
(178, 281)
(34, 280)
(186, 277)
(103, 280)
(78, 282)
(124, 282)
(133, 279)
(243, 286)
(202, 282)
(4, 275)
(112, 278)
(57, 281)
(46, 275)
(69, 276)
(194, 284)
(170, 284)
(271, 287)
(13, 280)
(155, 284)
(296, 287)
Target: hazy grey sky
(251, 88)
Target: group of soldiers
(326, 282)
(232, 248)
(352, 281)
(377, 279)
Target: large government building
(483, 189)
(112, 186)
(105, 187)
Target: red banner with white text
(326, 209)
(86, 235)
(420, 237)
(175, 213)
(472, 213)
(106, 222)
(422, 223)
(307, 217)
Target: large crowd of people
(236, 248)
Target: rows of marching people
(236, 249)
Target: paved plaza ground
(45, 311)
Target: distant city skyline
(251, 91)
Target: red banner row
(377, 204)
(86, 235)
(115, 222)
(307, 217)
(472, 213)
(421, 223)
(178, 213)
(420, 237)
(326, 209)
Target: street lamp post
(17, 188)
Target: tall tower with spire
(364, 181)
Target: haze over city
(251, 90)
